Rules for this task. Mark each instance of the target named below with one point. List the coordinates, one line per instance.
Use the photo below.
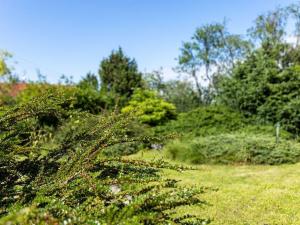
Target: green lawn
(245, 195)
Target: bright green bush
(149, 108)
(203, 121)
(235, 148)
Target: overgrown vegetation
(64, 180)
(204, 121)
(64, 154)
(235, 148)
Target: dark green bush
(235, 148)
(206, 120)
(266, 84)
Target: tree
(189, 64)
(181, 93)
(235, 49)
(202, 51)
(7, 79)
(269, 28)
(266, 85)
(154, 81)
(211, 49)
(4, 69)
(89, 81)
(294, 11)
(119, 76)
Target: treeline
(256, 74)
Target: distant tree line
(256, 74)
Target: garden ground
(242, 194)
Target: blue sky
(72, 37)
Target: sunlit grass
(245, 194)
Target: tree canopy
(119, 76)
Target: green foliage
(4, 69)
(135, 128)
(218, 134)
(235, 148)
(270, 27)
(89, 81)
(206, 120)
(149, 108)
(85, 97)
(119, 76)
(267, 85)
(154, 80)
(181, 94)
(61, 177)
(5, 98)
(89, 99)
(34, 90)
(211, 46)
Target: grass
(246, 194)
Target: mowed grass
(245, 194)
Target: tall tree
(269, 28)
(189, 63)
(294, 11)
(207, 40)
(182, 94)
(212, 48)
(266, 85)
(119, 76)
(235, 48)
(154, 80)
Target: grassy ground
(246, 194)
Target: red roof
(13, 89)
(16, 88)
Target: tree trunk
(197, 85)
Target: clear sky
(72, 37)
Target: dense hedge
(235, 148)
(203, 121)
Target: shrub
(134, 129)
(204, 121)
(65, 180)
(149, 108)
(85, 98)
(241, 148)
